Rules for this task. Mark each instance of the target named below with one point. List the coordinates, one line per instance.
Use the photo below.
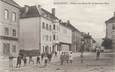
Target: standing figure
(42, 56)
(25, 60)
(49, 57)
(67, 57)
(38, 60)
(11, 62)
(55, 53)
(45, 60)
(31, 60)
(97, 54)
(19, 61)
(62, 58)
(71, 57)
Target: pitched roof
(32, 12)
(111, 20)
(70, 26)
(48, 13)
(11, 2)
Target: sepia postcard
(57, 36)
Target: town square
(55, 36)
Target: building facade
(9, 28)
(110, 30)
(38, 29)
(65, 36)
(76, 40)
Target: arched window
(13, 16)
(6, 14)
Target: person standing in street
(49, 57)
(38, 60)
(11, 62)
(19, 61)
(55, 53)
(45, 60)
(25, 60)
(31, 60)
(98, 54)
(71, 57)
(62, 58)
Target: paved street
(90, 64)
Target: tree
(107, 43)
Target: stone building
(76, 39)
(9, 28)
(110, 30)
(38, 29)
(65, 36)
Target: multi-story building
(38, 29)
(110, 30)
(9, 28)
(65, 36)
(76, 40)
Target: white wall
(65, 34)
(109, 31)
(10, 24)
(29, 33)
(44, 33)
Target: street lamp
(82, 49)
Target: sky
(85, 17)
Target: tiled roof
(32, 12)
(50, 14)
(70, 26)
(111, 20)
(11, 2)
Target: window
(13, 16)
(50, 38)
(6, 31)
(6, 14)
(43, 25)
(14, 48)
(6, 48)
(53, 37)
(54, 27)
(47, 26)
(14, 32)
(50, 27)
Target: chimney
(53, 11)
(39, 9)
(68, 21)
(26, 8)
(88, 33)
(39, 6)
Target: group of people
(44, 57)
(65, 56)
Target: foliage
(107, 43)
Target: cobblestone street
(90, 64)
